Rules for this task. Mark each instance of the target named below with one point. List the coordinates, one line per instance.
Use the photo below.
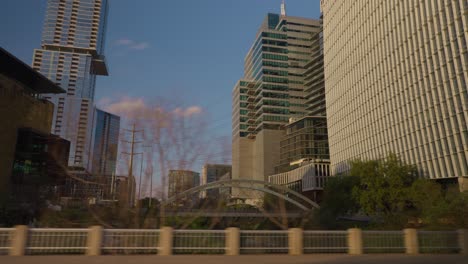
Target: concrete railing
(95, 240)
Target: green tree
(437, 208)
(425, 195)
(338, 201)
(384, 191)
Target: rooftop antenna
(283, 9)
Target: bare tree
(174, 138)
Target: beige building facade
(396, 74)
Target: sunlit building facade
(396, 74)
(71, 55)
(314, 80)
(271, 91)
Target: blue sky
(155, 48)
(188, 51)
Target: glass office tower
(105, 143)
(271, 92)
(71, 55)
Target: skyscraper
(271, 91)
(71, 55)
(305, 139)
(396, 75)
(105, 143)
(314, 78)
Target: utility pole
(139, 180)
(130, 169)
(151, 178)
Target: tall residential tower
(396, 74)
(71, 56)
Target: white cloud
(193, 110)
(131, 44)
(134, 107)
(140, 46)
(187, 112)
(124, 42)
(126, 107)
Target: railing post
(94, 241)
(355, 241)
(295, 241)
(165, 241)
(19, 241)
(411, 241)
(463, 241)
(232, 241)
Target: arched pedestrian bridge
(302, 204)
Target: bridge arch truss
(279, 191)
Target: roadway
(244, 259)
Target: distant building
(212, 173)
(271, 91)
(123, 190)
(225, 192)
(305, 141)
(182, 180)
(83, 186)
(105, 143)
(97, 183)
(309, 179)
(304, 159)
(71, 55)
(23, 109)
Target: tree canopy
(389, 191)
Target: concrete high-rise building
(396, 74)
(271, 91)
(71, 55)
(212, 173)
(105, 143)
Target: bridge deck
(274, 259)
(232, 214)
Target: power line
(132, 154)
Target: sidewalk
(244, 259)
